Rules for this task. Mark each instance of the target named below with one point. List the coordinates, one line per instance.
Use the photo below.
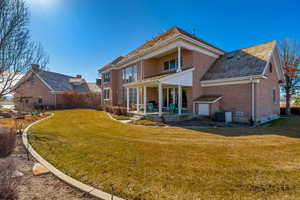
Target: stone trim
(69, 180)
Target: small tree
(290, 56)
(17, 51)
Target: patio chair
(151, 108)
(172, 108)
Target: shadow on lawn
(288, 127)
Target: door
(203, 109)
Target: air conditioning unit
(228, 117)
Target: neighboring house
(178, 72)
(40, 87)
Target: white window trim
(108, 94)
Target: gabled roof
(165, 36)
(112, 63)
(56, 82)
(249, 61)
(93, 87)
(170, 33)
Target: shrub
(8, 183)
(294, 111)
(81, 100)
(116, 110)
(7, 141)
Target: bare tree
(17, 51)
(290, 56)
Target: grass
(120, 117)
(146, 123)
(173, 163)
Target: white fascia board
(213, 52)
(44, 81)
(198, 43)
(234, 82)
(269, 60)
(234, 79)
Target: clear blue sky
(82, 35)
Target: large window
(106, 76)
(106, 92)
(172, 64)
(129, 74)
(132, 95)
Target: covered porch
(162, 95)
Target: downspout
(253, 99)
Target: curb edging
(69, 180)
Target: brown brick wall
(35, 89)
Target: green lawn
(173, 163)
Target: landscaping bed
(145, 162)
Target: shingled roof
(170, 33)
(249, 61)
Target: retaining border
(69, 180)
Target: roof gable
(249, 61)
(170, 33)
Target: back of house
(178, 73)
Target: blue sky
(82, 35)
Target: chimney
(98, 81)
(78, 76)
(35, 67)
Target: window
(271, 68)
(274, 95)
(129, 74)
(40, 100)
(106, 76)
(106, 93)
(132, 95)
(172, 64)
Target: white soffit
(184, 78)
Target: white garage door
(203, 109)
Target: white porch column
(179, 59)
(168, 103)
(138, 99)
(127, 98)
(145, 99)
(160, 99)
(179, 99)
(174, 95)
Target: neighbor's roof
(174, 31)
(93, 87)
(240, 63)
(60, 82)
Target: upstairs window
(172, 64)
(106, 92)
(129, 74)
(106, 76)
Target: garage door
(203, 109)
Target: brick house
(40, 87)
(178, 73)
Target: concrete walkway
(75, 183)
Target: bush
(116, 110)
(81, 100)
(294, 111)
(8, 183)
(7, 141)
